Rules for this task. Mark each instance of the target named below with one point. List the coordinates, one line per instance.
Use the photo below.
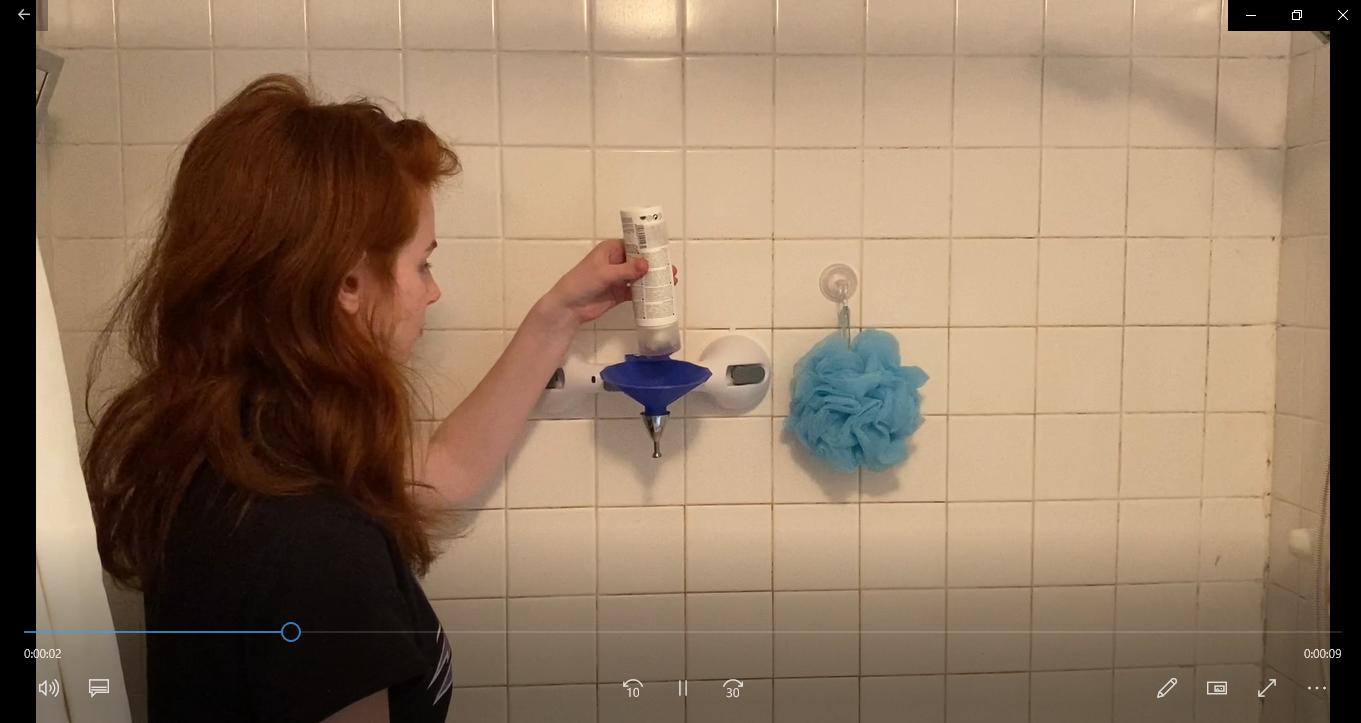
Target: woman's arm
(373, 709)
(470, 445)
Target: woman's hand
(597, 284)
(469, 448)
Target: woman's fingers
(628, 272)
(611, 250)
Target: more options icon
(1217, 687)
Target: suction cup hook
(838, 284)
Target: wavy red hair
(243, 358)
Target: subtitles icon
(1217, 687)
(98, 685)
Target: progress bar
(283, 632)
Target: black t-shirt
(313, 560)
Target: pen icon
(1167, 687)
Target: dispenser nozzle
(655, 423)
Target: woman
(257, 473)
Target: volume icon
(49, 687)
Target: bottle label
(654, 295)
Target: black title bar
(32, 14)
(1291, 14)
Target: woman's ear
(349, 293)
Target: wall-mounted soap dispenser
(733, 372)
(49, 70)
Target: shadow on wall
(633, 450)
(1185, 106)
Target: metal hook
(838, 284)
(843, 322)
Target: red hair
(244, 359)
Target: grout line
(402, 110)
(774, 126)
(949, 294)
(122, 142)
(307, 39)
(591, 79)
(212, 60)
(658, 53)
(1062, 586)
(1035, 350)
(660, 147)
(681, 11)
(1124, 331)
(1205, 392)
(887, 503)
(829, 147)
(860, 320)
(986, 327)
(501, 232)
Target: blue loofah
(856, 407)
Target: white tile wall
(818, 100)
(259, 23)
(1071, 695)
(1303, 377)
(1069, 213)
(1075, 619)
(635, 615)
(997, 101)
(1086, 101)
(1077, 456)
(1083, 27)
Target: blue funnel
(654, 383)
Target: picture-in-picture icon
(1217, 687)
